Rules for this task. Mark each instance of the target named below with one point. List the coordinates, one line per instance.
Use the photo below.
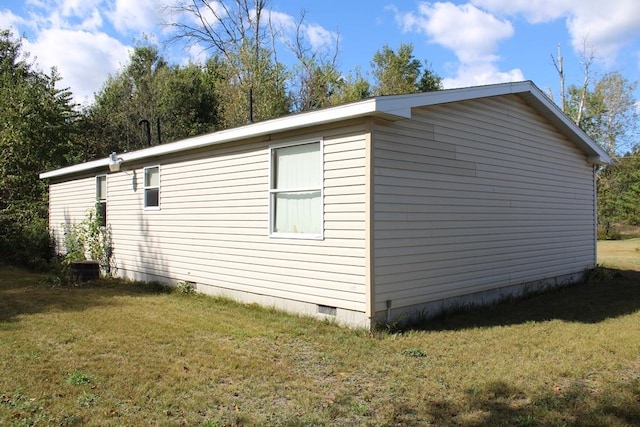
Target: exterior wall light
(114, 162)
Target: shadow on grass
(22, 292)
(575, 404)
(616, 294)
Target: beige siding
(69, 203)
(473, 196)
(212, 226)
(462, 198)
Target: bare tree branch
(559, 66)
(587, 57)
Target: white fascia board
(595, 153)
(368, 107)
(393, 107)
(400, 104)
(81, 167)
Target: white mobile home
(365, 212)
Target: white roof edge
(293, 121)
(596, 154)
(392, 107)
(80, 167)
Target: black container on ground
(81, 271)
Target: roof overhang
(368, 107)
(528, 91)
(394, 107)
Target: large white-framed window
(152, 187)
(101, 199)
(296, 191)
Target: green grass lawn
(112, 354)
(620, 254)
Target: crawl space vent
(325, 309)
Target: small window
(101, 199)
(152, 187)
(296, 191)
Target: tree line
(182, 101)
(243, 79)
(153, 101)
(605, 109)
(37, 131)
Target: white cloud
(534, 11)
(10, 20)
(606, 28)
(282, 22)
(472, 34)
(135, 16)
(194, 53)
(78, 8)
(83, 59)
(91, 22)
(481, 74)
(68, 14)
(70, 36)
(284, 26)
(319, 37)
(80, 37)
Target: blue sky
(466, 42)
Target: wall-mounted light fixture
(114, 162)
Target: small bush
(25, 241)
(88, 239)
(186, 288)
(609, 233)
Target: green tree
(37, 125)
(263, 93)
(319, 85)
(315, 81)
(354, 87)
(112, 122)
(606, 112)
(240, 37)
(619, 193)
(183, 99)
(616, 127)
(429, 81)
(400, 72)
(187, 101)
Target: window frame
(150, 187)
(274, 191)
(101, 199)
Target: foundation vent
(325, 309)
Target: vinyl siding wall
(212, 227)
(474, 196)
(69, 203)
